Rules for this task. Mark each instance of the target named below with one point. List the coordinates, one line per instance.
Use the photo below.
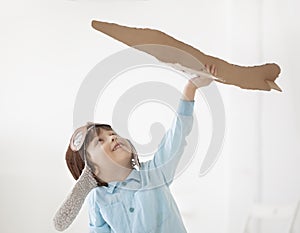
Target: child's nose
(113, 138)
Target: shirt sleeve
(171, 147)
(96, 221)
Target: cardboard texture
(188, 59)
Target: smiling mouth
(117, 147)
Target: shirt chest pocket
(115, 216)
(155, 210)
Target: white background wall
(48, 47)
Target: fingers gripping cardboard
(261, 77)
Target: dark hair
(76, 164)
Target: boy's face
(107, 148)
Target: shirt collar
(133, 175)
(111, 186)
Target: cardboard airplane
(174, 53)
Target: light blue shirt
(143, 202)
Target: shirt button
(124, 183)
(131, 209)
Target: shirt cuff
(186, 107)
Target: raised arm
(163, 166)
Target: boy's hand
(197, 82)
(211, 69)
(204, 80)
